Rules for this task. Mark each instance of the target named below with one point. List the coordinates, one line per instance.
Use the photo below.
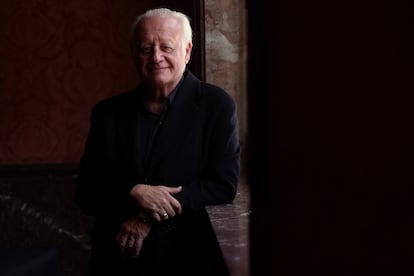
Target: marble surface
(226, 51)
(38, 211)
(231, 226)
(226, 61)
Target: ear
(188, 49)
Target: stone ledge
(231, 226)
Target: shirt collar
(170, 99)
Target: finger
(169, 212)
(172, 207)
(130, 247)
(156, 216)
(174, 190)
(137, 248)
(122, 245)
(131, 242)
(165, 215)
(122, 239)
(176, 206)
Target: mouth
(155, 69)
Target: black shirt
(149, 124)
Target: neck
(156, 93)
(156, 97)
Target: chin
(158, 82)
(159, 79)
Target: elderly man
(155, 157)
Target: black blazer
(197, 148)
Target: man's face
(161, 54)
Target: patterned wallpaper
(57, 59)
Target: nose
(157, 55)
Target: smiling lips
(158, 68)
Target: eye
(145, 49)
(167, 48)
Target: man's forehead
(165, 37)
(157, 28)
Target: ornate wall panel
(57, 59)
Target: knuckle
(154, 209)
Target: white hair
(183, 19)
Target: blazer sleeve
(102, 186)
(219, 180)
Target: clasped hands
(154, 201)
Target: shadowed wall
(331, 128)
(57, 59)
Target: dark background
(331, 137)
